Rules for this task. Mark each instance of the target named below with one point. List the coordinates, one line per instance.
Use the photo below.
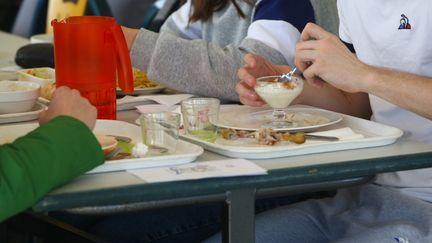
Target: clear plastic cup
(160, 132)
(199, 116)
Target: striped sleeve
(278, 24)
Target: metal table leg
(239, 225)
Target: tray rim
(192, 153)
(372, 139)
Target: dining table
(121, 191)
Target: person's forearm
(194, 66)
(47, 157)
(409, 91)
(331, 98)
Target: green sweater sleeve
(51, 155)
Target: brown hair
(204, 9)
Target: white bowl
(43, 76)
(108, 143)
(42, 38)
(278, 94)
(18, 96)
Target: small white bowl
(18, 96)
(43, 76)
(108, 143)
(278, 94)
(42, 38)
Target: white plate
(372, 135)
(23, 116)
(186, 152)
(252, 118)
(143, 91)
(44, 101)
(120, 107)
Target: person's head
(204, 9)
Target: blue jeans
(181, 224)
(367, 213)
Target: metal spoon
(121, 138)
(287, 76)
(113, 153)
(159, 149)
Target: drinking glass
(199, 116)
(160, 131)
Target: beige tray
(373, 134)
(185, 153)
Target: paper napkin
(344, 133)
(156, 108)
(168, 100)
(150, 103)
(201, 170)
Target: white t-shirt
(394, 34)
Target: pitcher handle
(124, 66)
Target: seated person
(62, 148)
(198, 50)
(202, 44)
(391, 72)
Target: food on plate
(264, 136)
(108, 143)
(13, 86)
(141, 80)
(42, 76)
(297, 137)
(38, 73)
(47, 91)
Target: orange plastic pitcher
(90, 52)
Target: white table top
(9, 45)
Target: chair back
(31, 18)
(326, 15)
(165, 10)
(58, 9)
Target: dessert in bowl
(18, 96)
(278, 95)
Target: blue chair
(165, 8)
(99, 8)
(31, 18)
